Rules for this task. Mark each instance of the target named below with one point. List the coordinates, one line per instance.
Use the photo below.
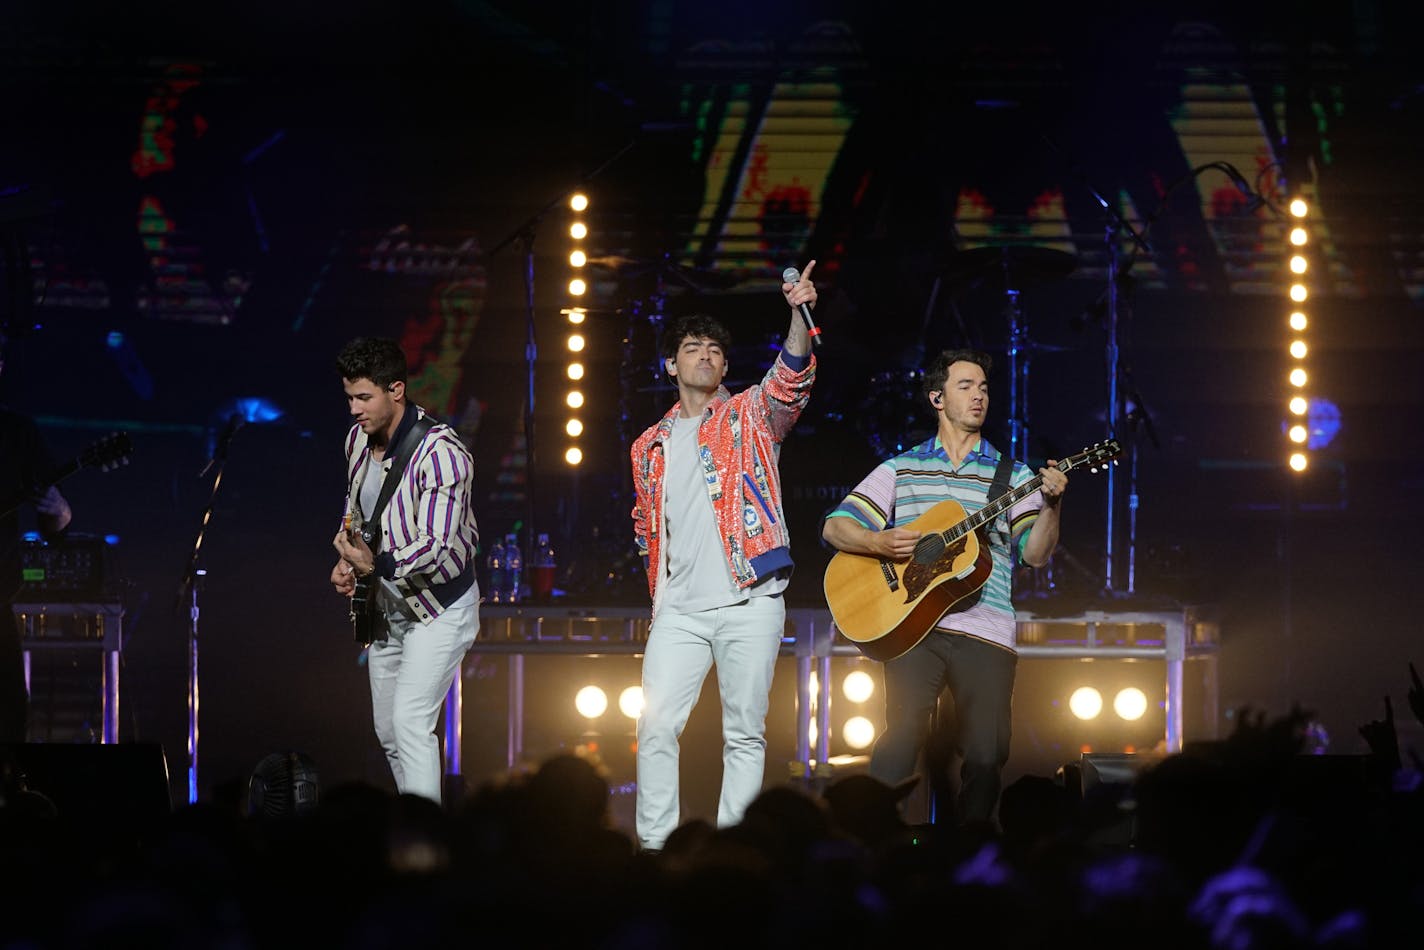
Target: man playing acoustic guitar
(409, 535)
(970, 646)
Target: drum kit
(894, 414)
(891, 416)
(891, 413)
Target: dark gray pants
(980, 677)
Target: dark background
(298, 135)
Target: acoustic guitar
(886, 607)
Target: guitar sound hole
(928, 550)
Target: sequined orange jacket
(740, 442)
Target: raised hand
(1382, 738)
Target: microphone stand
(524, 235)
(1115, 225)
(1117, 274)
(1137, 417)
(188, 591)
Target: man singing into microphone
(708, 520)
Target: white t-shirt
(698, 575)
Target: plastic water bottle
(513, 569)
(541, 584)
(495, 564)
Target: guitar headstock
(1096, 456)
(108, 453)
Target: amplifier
(72, 568)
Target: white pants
(411, 673)
(743, 640)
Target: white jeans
(411, 672)
(743, 640)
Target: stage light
(1297, 434)
(1130, 703)
(591, 702)
(630, 702)
(1086, 702)
(1324, 423)
(1297, 349)
(1298, 405)
(1297, 264)
(574, 428)
(1297, 377)
(858, 732)
(577, 288)
(858, 686)
(1298, 236)
(1297, 461)
(1298, 293)
(1297, 321)
(1298, 207)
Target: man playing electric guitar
(24, 464)
(409, 481)
(970, 648)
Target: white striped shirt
(428, 531)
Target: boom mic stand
(1115, 226)
(1117, 277)
(188, 591)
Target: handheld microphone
(792, 276)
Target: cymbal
(1012, 265)
(695, 278)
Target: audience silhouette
(1245, 842)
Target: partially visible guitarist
(419, 561)
(971, 650)
(24, 463)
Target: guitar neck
(993, 509)
(54, 477)
(1004, 502)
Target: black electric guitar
(106, 455)
(365, 612)
(886, 607)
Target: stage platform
(1177, 635)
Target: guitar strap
(1000, 485)
(370, 527)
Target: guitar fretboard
(1010, 498)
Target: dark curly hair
(375, 358)
(697, 325)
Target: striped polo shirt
(903, 488)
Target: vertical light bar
(577, 313)
(1297, 271)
